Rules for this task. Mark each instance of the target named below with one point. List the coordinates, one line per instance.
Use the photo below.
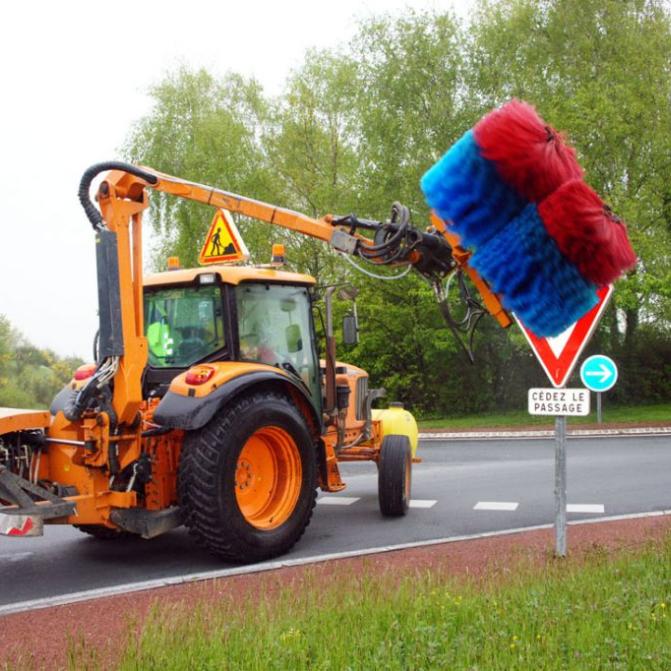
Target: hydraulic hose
(92, 213)
(398, 212)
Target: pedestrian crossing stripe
(223, 243)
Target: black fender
(64, 399)
(190, 413)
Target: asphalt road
(461, 488)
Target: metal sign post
(559, 403)
(558, 357)
(560, 486)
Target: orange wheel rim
(268, 478)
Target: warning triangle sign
(559, 355)
(223, 243)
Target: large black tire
(209, 475)
(394, 476)
(103, 533)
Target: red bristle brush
(530, 155)
(587, 232)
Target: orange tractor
(208, 404)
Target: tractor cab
(229, 313)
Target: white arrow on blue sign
(598, 373)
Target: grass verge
(601, 613)
(616, 415)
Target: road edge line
(129, 588)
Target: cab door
(275, 327)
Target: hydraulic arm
(122, 198)
(118, 440)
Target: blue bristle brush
(466, 190)
(524, 264)
(486, 188)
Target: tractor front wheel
(394, 475)
(247, 480)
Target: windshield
(183, 325)
(275, 327)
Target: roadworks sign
(223, 243)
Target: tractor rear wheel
(394, 475)
(247, 480)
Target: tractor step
(147, 523)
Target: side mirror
(350, 329)
(292, 333)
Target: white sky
(74, 76)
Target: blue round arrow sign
(598, 373)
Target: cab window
(275, 327)
(183, 325)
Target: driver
(252, 347)
(159, 339)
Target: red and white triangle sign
(559, 355)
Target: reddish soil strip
(40, 638)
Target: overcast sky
(74, 77)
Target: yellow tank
(398, 421)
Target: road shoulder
(104, 625)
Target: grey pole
(560, 486)
(599, 416)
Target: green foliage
(204, 130)
(599, 68)
(356, 127)
(309, 145)
(29, 377)
(410, 104)
(608, 614)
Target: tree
(601, 69)
(205, 130)
(410, 103)
(29, 377)
(310, 143)
(356, 127)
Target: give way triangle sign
(559, 355)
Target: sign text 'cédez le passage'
(559, 402)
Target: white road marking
(337, 500)
(496, 505)
(585, 508)
(422, 503)
(115, 590)
(17, 556)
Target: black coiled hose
(92, 213)
(394, 239)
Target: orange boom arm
(122, 197)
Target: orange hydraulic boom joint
(122, 198)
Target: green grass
(638, 413)
(602, 614)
